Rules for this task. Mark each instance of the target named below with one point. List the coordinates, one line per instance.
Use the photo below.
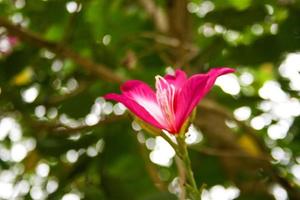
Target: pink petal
(134, 107)
(178, 79)
(195, 88)
(142, 94)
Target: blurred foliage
(51, 89)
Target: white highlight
(6, 190)
(162, 153)
(51, 186)
(42, 169)
(242, 113)
(193, 136)
(40, 111)
(72, 156)
(295, 170)
(72, 6)
(279, 192)
(290, 69)
(30, 94)
(246, 78)
(119, 109)
(229, 84)
(70, 196)
(18, 152)
(106, 39)
(218, 192)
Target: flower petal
(135, 108)
(178, 79)
(194, 89)
(142, 94)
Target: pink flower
(174, 100)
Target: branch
(97, 69)
(158, 15)
(63, 129)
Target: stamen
(165, 97)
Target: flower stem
(191, 186)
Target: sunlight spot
(279, 192)
(6, 124)
(192, 7)
(119, 109)
(174, 186)
(47, 54)
(40, 111)
(72, 85)
(246, 78)
(290, 69)
(37, 193)
(42, 169)
(30, 94)
(277, 131)
(202, 9)
(141, 137)
(6, 190)
(20, 4)
(135, 126)
(100, 145)
(220, 192)
(5, 154)
(231, 36)
(22, 188)
(150, 143)
(15, 133)
(242, 113)
(71, 196)
(75, 137)
(257, 29)
(106, 39)
(72, 156)
(91, 151)
(51, 186)
(205, 7)
(96, 109)
(229, 84)
(162, 153)
(295, 170)
(18, 152)
(5, 45)
(193, 136)
(9, 126)
(29, 143)
(207, 30)
(56, 65)
(230, 123)
(91, 119)
(107, 108)
(52, 113)
(257, 123)
(170, 70)
(269, 9)
(72, 6)
(272, 90)
(280, 155)
(220, 29)
(274, 29)
(17, 18)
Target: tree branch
(96, 69)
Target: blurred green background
(59, 139)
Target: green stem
(191, 185)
